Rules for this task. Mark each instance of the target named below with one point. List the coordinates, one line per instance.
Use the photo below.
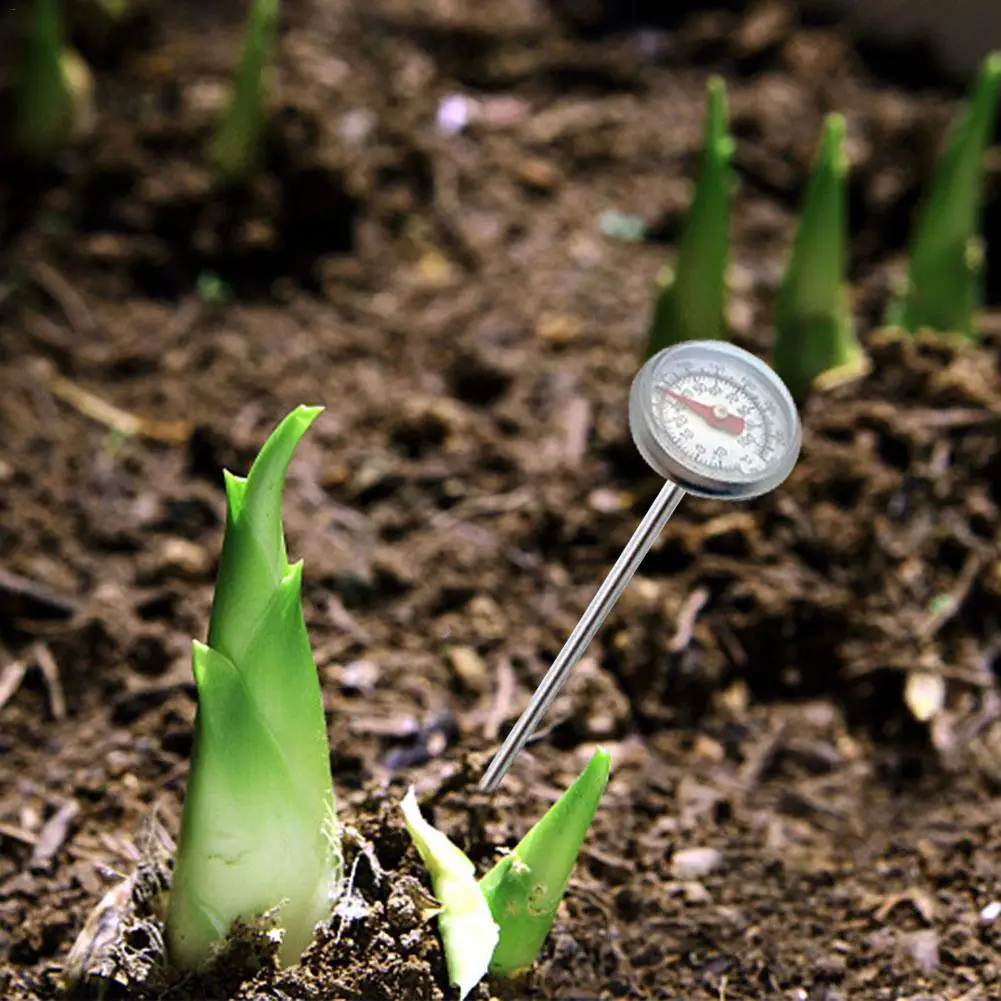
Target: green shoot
(55, 87)
(259, 831)
(468, 932)
(691, 302)
(526, 886)
(213, 290)
(499, 924)
(943, 289)
(237, 147)
(814, 330)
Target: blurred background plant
(691, 303)
(54, 105)
(54, 98)
(54, 92)
(814, 327)
(237, 148)
(815, 342)
(943, 288)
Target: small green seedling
(814, 330)
(526, 886)
(259, 836)
(54, 88)
(500, 924)
(691, 301)
(213, 290)
(237, 148)
(468, 932)
(943, 289)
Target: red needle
(716, 416)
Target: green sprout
(54, 89)
(213, 290)
(943, 288)
(259, 836)
(691, 301)
(499, 925)
(237, 146)
(815, 338)
(468, 932)
(526, 886)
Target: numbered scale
(714, 421)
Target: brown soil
(778, 823)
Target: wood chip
(10, 680)
(50, 672)
(503, 700)
(470, 669)
(689, 612)
(53, 835)
(32, 593)
(16, 833)
(70, 301)
(575, 429)
(920, 900)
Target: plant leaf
(468, 932)
(944, 284)
(55, 86)
(258, 833)
(525, 887)
(253, 558)
(237, 146)
(691, 303)
(814, 330)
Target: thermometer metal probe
(714, 421)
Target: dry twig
(111, 416)
(10, 680)
(50, 672)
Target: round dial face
(715, 419)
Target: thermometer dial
(714, 419)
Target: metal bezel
(667, 459)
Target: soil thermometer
(715, 421)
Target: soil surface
(799, 693)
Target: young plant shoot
(259, 833)
(526, 886)
(943, 288)
(691, 301)
(55, 89)
(815, 336)
(468, 931)
(499, 925)
(237, 147)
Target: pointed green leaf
(253, 556)
(943, 289)
(237, 146)
(45, 102)
(814, 329)
(468, 932)
(258, 833)
(525, 887)
(691, 302)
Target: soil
(799, 693)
